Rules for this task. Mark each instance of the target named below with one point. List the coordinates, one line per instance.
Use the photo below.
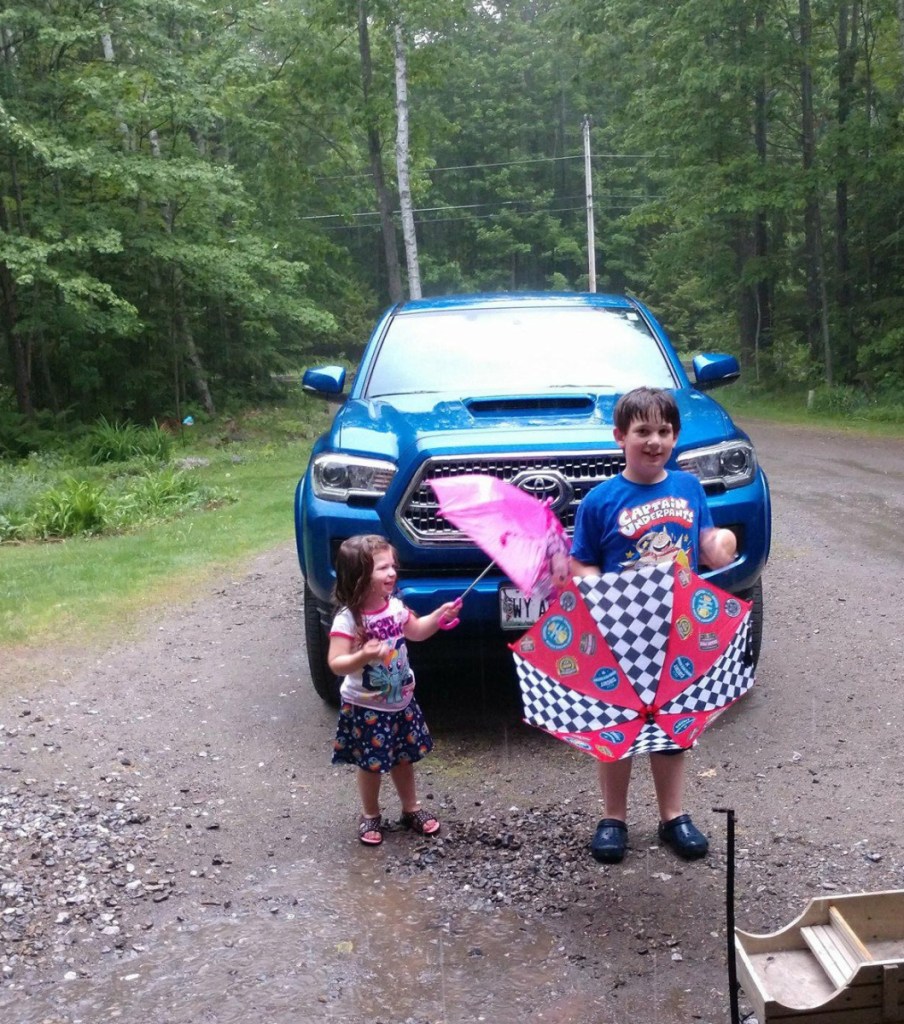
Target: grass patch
(834, 409)
(81, 587)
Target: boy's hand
(718, 547)
(558, 570)
(577, 568)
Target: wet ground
(176, 848)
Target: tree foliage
(191, 195)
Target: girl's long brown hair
(354, 569)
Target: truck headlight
(732, 464)
(341, 477)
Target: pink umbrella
(523, 536)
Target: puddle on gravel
(370, 952)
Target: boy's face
(647, 445)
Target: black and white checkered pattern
(651, 740)
(730, 677)
(550, 705)
(634, 612)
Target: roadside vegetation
(95, 529)
(836, 408)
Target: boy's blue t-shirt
(622, 525)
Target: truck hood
(411, 425)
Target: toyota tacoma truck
(521, 386)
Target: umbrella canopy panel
(636, 662)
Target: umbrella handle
(452, 623)
(465, 593)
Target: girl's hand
(375, 650)
(448, 614)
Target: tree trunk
(181, 329)
(402, 156)
(763, 287)
(193, 358)
(374, 147)
(750, 234)
(817, 293)
(18, 350)
(901, 38)
(847, 60)
(106, 45)
(18, 355)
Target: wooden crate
(840, 962)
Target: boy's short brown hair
(647, 404)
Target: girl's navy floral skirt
(377, 741)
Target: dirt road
(176, 848)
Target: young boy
(612, 534)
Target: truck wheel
(317, 641)
(755, 594)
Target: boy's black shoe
(683, 836)
(610, 841)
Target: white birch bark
(408, 232)
(901, 27)
(106, 43)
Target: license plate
(517, 611)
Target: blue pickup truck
(521, 386)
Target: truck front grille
(418, 514)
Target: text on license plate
(517, 611)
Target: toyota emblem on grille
(545, 485)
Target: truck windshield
(516, 351)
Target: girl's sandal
(420, 821)
(368, 828)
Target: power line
(500, 163)
(470, 206)
(375, 224)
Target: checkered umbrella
(636, 662)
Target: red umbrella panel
(635, 662)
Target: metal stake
(733, 986)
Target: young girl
(381, 727)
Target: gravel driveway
(175, 847)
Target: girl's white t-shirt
(387, 684)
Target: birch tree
(375, 152)
(402, 157)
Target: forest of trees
(195, 196)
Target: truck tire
(755, 595)
(317, 642)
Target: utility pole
(588, 179)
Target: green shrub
(122, 442)
(11, 528)
(162, 495)
(852, 403)
(21, 435)
(839, 400)
(21, 485)
(72, 508)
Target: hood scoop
(506, 404)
